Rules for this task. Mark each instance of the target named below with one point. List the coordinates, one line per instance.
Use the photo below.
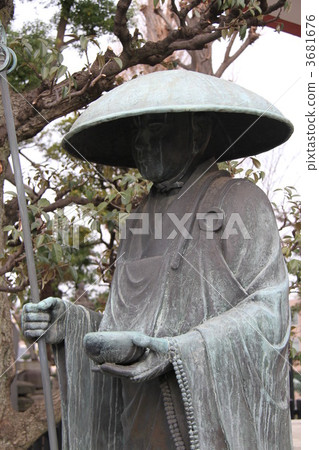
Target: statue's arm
(48, 318)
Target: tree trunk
(158, 26)
(18, 430)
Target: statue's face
(162, 145)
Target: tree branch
(160, 13)
(66, 6)
(9, 176)
(275, 7)
(13, 290)
(63, 202)
(251, 38)
(120, 24)
(29, 121)
(11, 261)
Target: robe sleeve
(233, 368)
(90, 401)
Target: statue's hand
(44, 318)
(154, 362)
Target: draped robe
(221, 297)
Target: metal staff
(7, 64)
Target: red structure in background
(289, 27)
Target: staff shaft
(29, 254)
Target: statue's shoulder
(225, 186)
(236, 195)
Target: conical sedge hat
(102, 133)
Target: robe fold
(217, 287)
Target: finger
(37, 317)
(44, 305)
(116, 370)
(36, 326)
(159, 345)
(31, 307)
(48, 303)
(34, 334)
(141, 340)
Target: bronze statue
(191, 352)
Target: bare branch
(251, 38)
(230, 45)
(177, 13)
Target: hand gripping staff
(7, 64)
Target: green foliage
(36, 55)
(93, 18)
(77, 242)
(252, 174)
(288, 214)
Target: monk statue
(191, 351)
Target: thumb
(158, 345)
(48, 303)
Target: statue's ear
(202, 129)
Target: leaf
(102, 206)
(126, 197)
(256, 162)
(44, 72)
(53, 70)
(287, 5)
(224, 34)
(28, 46)
(100, 59)
(65, 91)
(73, 272)
(46, 216)
(61, 71)
(155, 3)
(39, 240)
(84, 42)
(8, 228)
(248, 172)
(242, 31)
(56, 252)
(118, 62)
(36, 54)
(43, 49)
(43, 202)
(51, 59)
